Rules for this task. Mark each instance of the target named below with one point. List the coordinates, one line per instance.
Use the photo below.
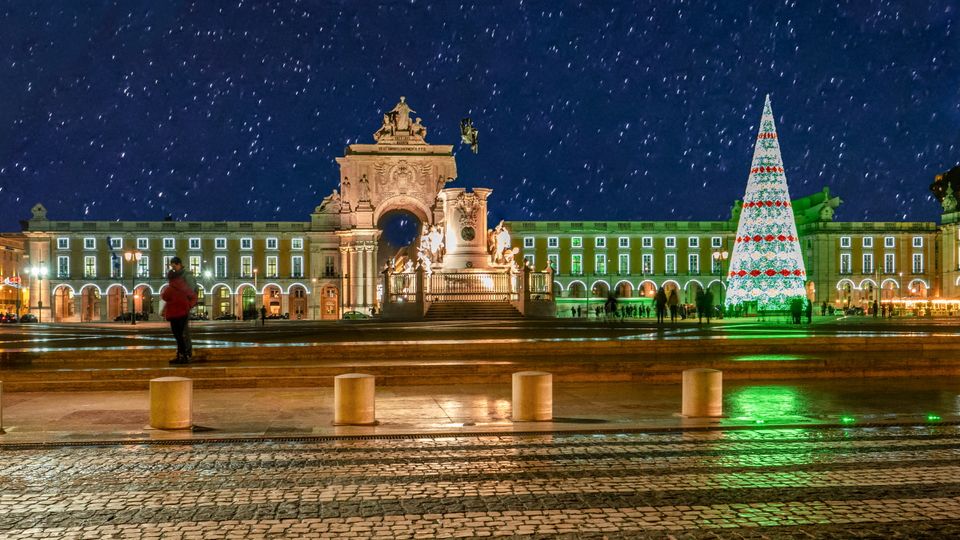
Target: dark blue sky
(591, 110)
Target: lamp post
(133, 257)
(206, 292)
(313, 294)
(721, 255)
(38, 272)
(900, 291)
(256, 292)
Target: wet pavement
(896, 482)
(219, 334)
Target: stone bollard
(702, 393)
(171, 403)
(353, 397)
(532, 396)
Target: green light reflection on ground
(766, 358)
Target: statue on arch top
(397, 127)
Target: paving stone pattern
(796, 483)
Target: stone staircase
(472, 310)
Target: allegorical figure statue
(949, 200)
(469, 134)
(364, 189)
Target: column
(371, 276)
(78, 306)
(103, 307)
(357, 277)
(344, 273)
(285, 305)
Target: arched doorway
(576, 289)
(844, 293)
(248, 302)
(331, 303)
(298, 302)
(624, 289)
(693, 289)
(116, 302)
(917, 289)
(143, 301)
(889, 290)
(272, 301)
(63, 308)
(90, 303)
(400, 231)
(222, 305)
(718, 292)
(648, 289)
(600, 289)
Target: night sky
(596, 110)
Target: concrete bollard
(171, 403)
(353, 398)
(702, 393)
(532, 396)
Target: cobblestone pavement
(768, 483)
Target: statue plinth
(465, 228)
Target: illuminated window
(169, 243)
(246, 244)
(116, 243)
(889, 266)
(273, 268)
(670, 241)
(194, 265)
(143, 266)
(89, 266)
(600, 266)
(296, 266)
(623, 241)
(576, 241)
(844, 263)
(528, 260)
(868, 263)
(716, 241)
(917, 241)
(246, 266)
(646, 241)
(917, 263)
(272, 243)
(63, 267)
(89, 243)
(553, 242)
(670, 264)
(554, 261)
(63, 243)
(576, 264)
(868, 241)
(693, 242)
(693, 263)
(527, 242)
(194, 243)
(647, 260)
(844, 241)
(889, 242)
(623, 264)
(220, 266)
(143, 243)
(296, 244)
(600, 242)
(220, 243)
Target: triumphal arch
(456, 259)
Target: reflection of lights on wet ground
(767, 358)
(764, 403)
(931, 417)
(845, 419)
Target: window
(693, 242)
(63, 243)
(553, 242)
(89, 266)
(670, 241)
(554, 261)
(194, 243)
(670, 266)
(296, 269)
(646, 241)
(143, 266)
(296, 243)
(116, 266)
(116, 243)
(889, 266)
(329, 270)
(143, 243)
(272, 243)
(868, 263)
(918, 263)
(716, 265)
(166, 262)
(169, 243)
(844, 263)
(576, 264)
(623, 241)
(527, 242)
(220, 266)
(844, 241)
(647, 260)
(194, 265)
(576, 241)
(63, 267)
(528, 260)
(600, 264)
(246, 244)
(600, 241)
(273, 268)
(917, 241)
(246, 266)
(716, 241)
(868, 241)
(220, 243)
(693, 264)
(89, 243)
(889, 242)
(623, 264)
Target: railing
(472, 287)
(402, 287)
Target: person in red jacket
(179, 296)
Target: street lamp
(256, 291)
(134, 257)
(720, 255)
(313, 294)
(38, 273)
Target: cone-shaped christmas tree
(766, 266)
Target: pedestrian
(573, 311)
(823, 308)
(701, 307)
(660, 301)
(179, 297)
(263, 315)
(674, 302)
(809, 311)
(707, 304)
(875, 309)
